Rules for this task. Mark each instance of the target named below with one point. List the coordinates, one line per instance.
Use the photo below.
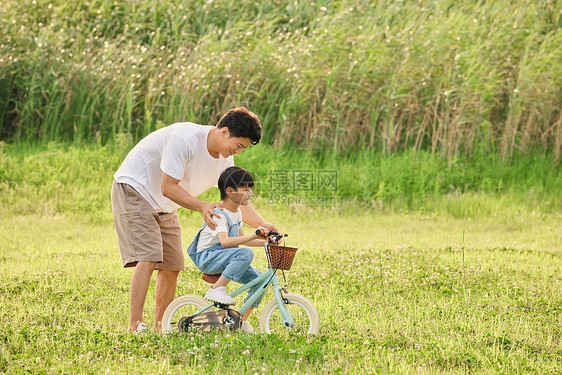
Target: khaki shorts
(143, 234)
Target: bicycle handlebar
(260, 233)
(273, 236)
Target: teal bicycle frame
(266, 279)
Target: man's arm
(252, 218)
(172, 190)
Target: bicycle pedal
(221, 306)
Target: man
(166, 170)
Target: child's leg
(251, 274)
(247, 313)
(237, 261)
(232, 263)
(222, 281)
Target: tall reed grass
(440, 76)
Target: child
(217, 252)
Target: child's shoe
(246, 327)
(220, 295)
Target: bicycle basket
(281, 257)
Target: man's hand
(271, 227)
(208, 212)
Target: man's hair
(234, 177)
(242, 123)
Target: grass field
(439, 251)
(396, 293)
(422, 265)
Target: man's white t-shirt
(209, 237)
(180, 151)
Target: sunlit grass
(408, 274)
(396, 294)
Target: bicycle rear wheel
(182, 306)
(302, 311)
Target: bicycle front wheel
(302, 311)
(182, 306)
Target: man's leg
(169, 269)
(140, 282)
(140, 242)
(166, 282)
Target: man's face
(240, 196)
(233, 145)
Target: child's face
(240, 196)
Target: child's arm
(234, 241)
(249, 240)
(255, 242)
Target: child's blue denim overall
(235, 263)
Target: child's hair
(234, 177)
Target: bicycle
(287, 312)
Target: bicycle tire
(188, 304)
(305, 316)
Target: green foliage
(446, 77)
(481, 185)
(58, 179)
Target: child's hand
(263, 232)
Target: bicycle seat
(211, 279)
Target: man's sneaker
(246, 327)
(141, 328)
(220, 295)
